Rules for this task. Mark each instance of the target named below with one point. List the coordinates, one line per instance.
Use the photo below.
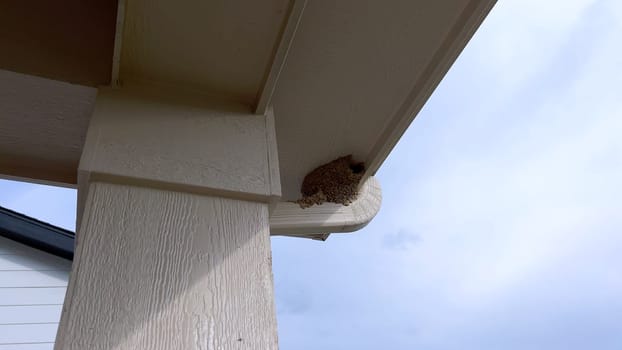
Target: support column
(170, 257)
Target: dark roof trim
(36, 234)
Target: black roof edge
(37, 234)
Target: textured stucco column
(173, 248)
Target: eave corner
(289, 219)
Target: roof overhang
(342, 78)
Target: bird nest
(335, 182)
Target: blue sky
(501, 223)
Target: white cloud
(520, 37)
(518, 204)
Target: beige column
(173, 248)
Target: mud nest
(335, 182)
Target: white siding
(32, 290)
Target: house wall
(32, 291)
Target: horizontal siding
(29, 333)
(33, 279)
(31, 262)
(30, 314)
(30, 346)
(32, 290)
(32, 296)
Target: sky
(501, 220)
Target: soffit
(350, 71)
(222, 47)
(354, 76)
(69, 40)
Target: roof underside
(343, 77)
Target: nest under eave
(335, 182)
